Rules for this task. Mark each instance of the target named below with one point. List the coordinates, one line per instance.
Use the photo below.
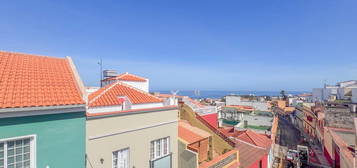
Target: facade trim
(131, 130)
(33, 111)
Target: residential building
(299, 118)
(254, 148)
(128, 127)
(257, 104)
(342, 90)
(224, 155)
(339, 146)
(129, 79)
(310, 119)
(42, 112)
(195, 145)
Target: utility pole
(100, 63)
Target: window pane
(10, 144)
(115, 159)
(18, 153)
(158, 148)
(165, 146)
(152, 148)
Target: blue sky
(264, 45)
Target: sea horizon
(220, 94)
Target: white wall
(354, 95)
(148, 105)
(144, 86)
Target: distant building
(42, 112)
(342, 90)
(129, 79)
(339, 146)
(258, 105)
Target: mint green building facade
(59, 139)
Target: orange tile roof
(127, 77)
(191, 134)
(249, 154)
(109, 95)
(35, 81)
(254, 138)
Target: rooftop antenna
(325, 83)
(100, 63)
(174, 92)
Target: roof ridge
(250, 144)
(249, 136)
(127, 73)
(124, 84)
(36, 55)
(104, 91)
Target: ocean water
(220, 94)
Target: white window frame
(161, 141)
(117, 156)
(32, 148)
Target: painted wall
(218, 144)
(144, 86)
(236, 100)
(60, 138)
(187, 158)
(108, 134)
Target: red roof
(212, 119)
(35, 81)
(249, 154)
(127, 77)
(191, 134)
(109, 95)
(254, 138)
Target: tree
(282, 93)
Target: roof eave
(41, 110)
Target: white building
(237, 100)
(342, 90)
(130, 79)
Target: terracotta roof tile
(191, 134)
(212, 119)
(249, 154)
(255, 138)
(33, 81)
(109, 95)
(127, 77)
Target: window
(159, 148)
(17, 153)
(121, 158)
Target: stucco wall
(186, 158)
(60, 138)
(218, 144)
(236, 100)
(144, 86)
(136, 131)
